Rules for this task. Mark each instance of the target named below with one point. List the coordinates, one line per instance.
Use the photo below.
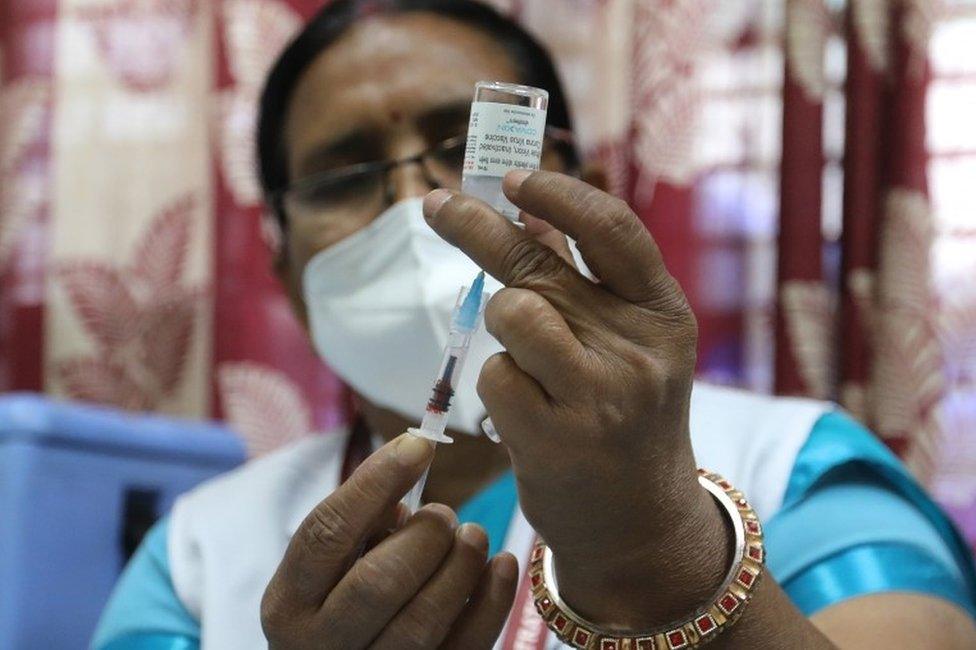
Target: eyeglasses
(365, 188)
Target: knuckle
(618, 221)
(327, 528)
(611, 415)
(530, 264)
(491, 381)
(643, 366)
(529, 310)
(588, 372)
(516, 310)
(500, 311)
(274, 615)
(674, 320)
(657, 377)
(369, 486)
(373, 583)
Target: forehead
(388, 67)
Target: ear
(275, 238)
(595, 173)
(291, 282)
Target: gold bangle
(701, 627)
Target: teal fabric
(153, 642)
(852, 508)
(854, 522)
(492, 509)
(867, 569)
(144, 612)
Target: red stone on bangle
(745, 578)
(705, 624)
(677, 639)
(582, 637)
(756, 552)
(559, 623)
(728, 603)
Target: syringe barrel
(447, 379)
(438, 408)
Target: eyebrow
(361, 145)
(356, 145)
(451, 113)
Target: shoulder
(855, 522)
(143, 601)
(752, 439)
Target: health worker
(803, 531)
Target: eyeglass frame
(276, 198)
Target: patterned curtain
(806, 166)
(133, 270)
(880, 313)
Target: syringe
(465, 320)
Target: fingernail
(434, 201)
(506, 566)
(403, 514)
(411, 450)
(489, 428)
(514, 179)
(473, 536)
(442, 511)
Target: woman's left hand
(592, 394)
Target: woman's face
(390, 88)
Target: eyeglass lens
(367, 190)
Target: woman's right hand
(422, 584)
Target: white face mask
(379, 307)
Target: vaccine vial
(505, 132)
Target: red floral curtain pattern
(803, 308)
(138, 311)
(269, 382)
(898, 351)
(26, 64)
(116, 315)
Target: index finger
(613, 242)
(329, 538)
(502, 249)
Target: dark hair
(535, 67)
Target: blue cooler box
(79, 486)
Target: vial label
(502, 137)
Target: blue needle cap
(467, 317)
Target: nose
(408, 181)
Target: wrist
(666, 564)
